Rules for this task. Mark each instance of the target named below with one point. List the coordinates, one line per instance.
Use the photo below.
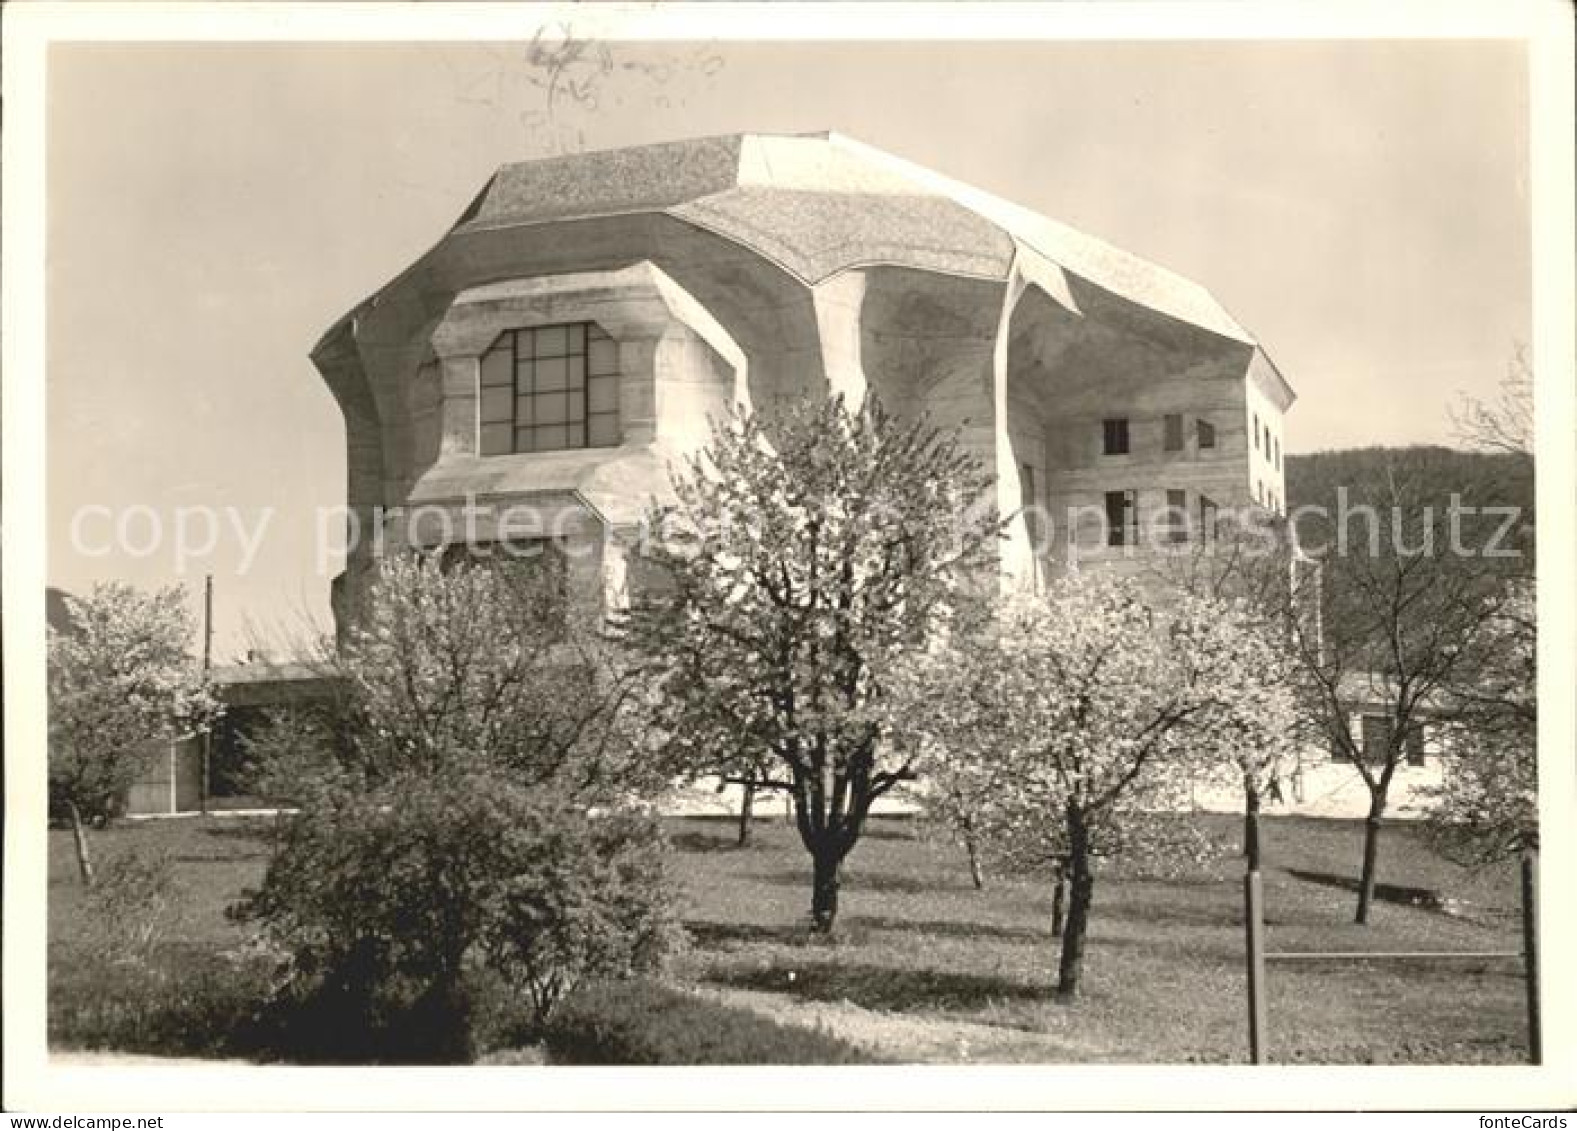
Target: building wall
(1080, 473)
(1025, 376)
(171, 781)
(1266, 456)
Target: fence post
(1254, 926)
(1530, 950)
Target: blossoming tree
(121, 681)
(1089, 709)
(822, 546)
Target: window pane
(1116, 436)
(550, 439)
(495, 439)
(1174, 433)
(525, 374)
(1119, 516)
(603, 356)
(1177, 515)
(603, 431)
(1376, 733)
(523, 440)
(577, 338)
(577, 372)
(496, 363)
(1207, 434)
(575, 436)
(577, 405)
(525, 411)
(552, 341)
(550, 408)
(552, 374)
(496, 405)
(602, 394)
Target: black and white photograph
(831, 538)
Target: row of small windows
(1114, 434)
(1122, 517)
(549, 388)
(1265, 442)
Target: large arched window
(549, 388)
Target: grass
(921, 952)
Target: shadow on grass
(706, 842)
(885, 882)
(708, 935)
(884, 987)
(1427, 899)
(954, 929)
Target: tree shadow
(1426, 899)
(705, 842)
(889, 883)
(883, 987)
(955, 929)
(710, 935)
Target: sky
(1360, 206)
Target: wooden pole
(1254, 926)
(1530, 950)
(208, 655)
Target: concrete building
(566, 339)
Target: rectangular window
(1376, 734)
(1207, 519)
(1415, 746)
(1275, 448)
(548, 388)
(1256, 432)
(1116, 436)
(1121, 518)
(1174, 433)
(1177, 516)
(1207, 434)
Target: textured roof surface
(821, 203)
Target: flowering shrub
(392, 903)
(120, 682)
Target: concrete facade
(754, 270)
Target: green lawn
(926, 967)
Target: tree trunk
(1251, 823)
(1059, 898)
(975, 872)
(824, 893)
(747, 807)
(1081, 889)
(1371, 850)
(84, 862)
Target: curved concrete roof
(818, 204)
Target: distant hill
(1496, 478)
(1424, 475)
